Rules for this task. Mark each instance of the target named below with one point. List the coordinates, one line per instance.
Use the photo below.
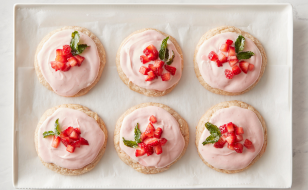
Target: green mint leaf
(170, 60)
(215, 133)
(163, 52)
(131, 144)
(244, 55)
(57, 127)
(48, 133)
(77, 48)
(81, 48)
(137, 134)
(239, 43)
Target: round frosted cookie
(174, 130)
(78, 80)
(212, 77)
(63, 159)
(245, 119)
(128, 61)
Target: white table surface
(300, 82)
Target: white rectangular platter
(272, 97)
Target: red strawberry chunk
(224, 137)
(56, 65)
(76, 144)
(232, 60)
(151, 51)
(231, 146)
(159, 71)
(151, 67)
(251, 67)
(170, 69)
(231, 51)
(66, 50)
(223, 129)
(218, 63)
(236, 70)
(158, 132)
(149, 131)
(222, 58)
(139, 152)
(159, 64)
(151, 76)
(229, 42)
(66, 67)
(77, 130)
(149, 150)
(143, 137)
(61, 58)
(83, 141)
(74, 135)
(158, 149)
(69, 130)
(62, 135)
(244, 66)
(231, 138)
(70, 148)
(79, 59)
(238, 147)
(144, 59)
(220, 143)
(229, 74)
(239, 130)
(163, 141)
(151, 141)
(153, 119)
(213, 56)
(59, 52)
(239, 138)
(66, 141)
(144, 70)
(72, 61)
(68, 55)
(224, 47)
(165, 77)
(248, 144)
(55, 141)
(230, 127)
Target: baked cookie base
(207, 116)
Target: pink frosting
(224, 158)
(130, 60)
(71, 82)
(171, 131)
(215, 76)
(90, 130)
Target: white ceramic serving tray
(272, 24)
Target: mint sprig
(48, 133)
(164, 52)
(137, 134)
(215, 133)
(56, 132)
(170, 60)
(239, 43)
(132, 144)
(76, 48)
(244, 55)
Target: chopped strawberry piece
(244, 66)
(232, 60)
(149, 150)
(218, 63)
(152, 57)
(79, 59)
(231, 138)
(159, 71)
(165, 77)
(229, 74)
(239, 138)
(223, 129)
(238, 147)
(59, 52)
(158, 132)
(143, 137)
(149, 131)
(151, 49)
(144, 59)
(236, 70)
(153, 119)
(224, 137)
(230, 146)
(222, 58)
(170, 69)
(77, 130)
(69, 130)
(239, 130)
(158, 149)
(163, 141)
(55, 141)
(57, 65)
(224, 47)
(66, 50)
(139, 152)
(66, 67)
(151, 141)
(66, 141)
(151, 67)
(70, 148)
(62, 135)
(251, 67)
(151, 76)
(248, 144)
(72, 61)
(68, 55)
(229, 42)
(231, 51)
(74, 135)
(230, 127)
(83, 141)
(76, 144)
(144, 70)
(213, 56)
(159, 64)
(220, 143)
(61, 58)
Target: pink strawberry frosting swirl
(224, 158)
(130, 60)
(215, 76)
(77, 78)
(90, 130)
(171, 131)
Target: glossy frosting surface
(77, 78)
(215, 76)
(90, 130)
(171, 131)
(130, 60)
(224, 158)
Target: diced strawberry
(239, 130)
(151, 67)
(62, 135)
(251, 67)
(59, 52)
(61, 58)
(213, 56)
(244, 66)
(153, 119)
(224, 137)
(231, 146)
(232, 60)
(151, 141)
(144, 59)
(165, 77)
(220, 143)
(83, 141)
(151, 76)
(231, 51)
(158, 132)
(70, 148)
(224, 47)
(141, 145)
(158, 149)
(159, 64)
(66, 50)
(79, 59)
(139, 152)
(152, 57)
(218, 63)
(229, 74)
(77, 129)
(65, 141)
(170, 69)
(229, 42)
(239, 138)
(149, 150)
(159, 71)
(55, 141)
(66, 67)
(223, 129)
(151, 49)
(231, 138)
(72, 61)
(236, 70)
(57, 65)
(143, 137)
(238, 147)
(144, 70)
(68, 55)
(230, 127)
(248, 144)
(149, 131)
(76, 144)
(222, 58)
(163, 141)
(74, 135)
(69, 130)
